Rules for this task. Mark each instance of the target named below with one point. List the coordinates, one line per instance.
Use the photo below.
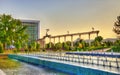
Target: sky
(61, 16)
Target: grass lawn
(6, 63)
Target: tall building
(33, 29)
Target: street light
(47, 31)
(67, 32)
(92, 28)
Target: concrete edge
(1, 72)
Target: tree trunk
(4, 45)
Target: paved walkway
(102, 50)
(1, 72)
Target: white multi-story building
(33, 29)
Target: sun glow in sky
(61, 16)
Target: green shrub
(66, 47)
(26, 50)
(38, 46)
(15, 51)
(43, 50)
(116, 48)
(30, 48)
(96, 48)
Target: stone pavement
(1, 72)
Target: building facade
(33, 29)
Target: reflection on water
(28, 69)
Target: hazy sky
(61, 16)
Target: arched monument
(67, 35)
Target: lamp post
(67, 32)
(92, 28)
(47, 31)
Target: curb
(1, 72)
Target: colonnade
(72, 35)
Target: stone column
(50, 41)
(97, 34)
(59, 39)
(44, 43)
(54, 40)
(71, 40)
(64, 38)
(80, 36)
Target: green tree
(116, 47)
(38, 46)
(30, 47)
(49, 45)
(34, 45)
(12, 31)
(65, 46)
(26, 47)
(98, 41)
(108, 43)
(58, 45)
(68, 43)
(17, 45)
(1, 47)
(99, 38)
(117, 43)
(80, 44)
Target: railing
(104, 61)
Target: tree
(108, 43)
(117, 43)
(49, 45)
(17, 45)
(97, 41)
(26, 47)
(68, 43)
(81, 44)
(33, 45)
(12, 32)
(1, 48)
(116, 27)
(65, 46)
(38, 46)
(99, 38)
(116, 47)
(58, 45)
